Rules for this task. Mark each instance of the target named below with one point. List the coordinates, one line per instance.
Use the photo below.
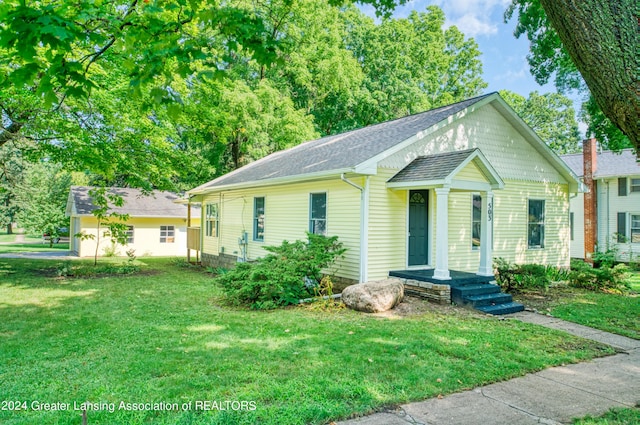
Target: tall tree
(599, 40)
(414, 64)
(42, 199)
(550, 115)
(11, 176)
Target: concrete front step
(498, 309)
(459, 293)
(488, 299)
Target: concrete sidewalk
(552, 396)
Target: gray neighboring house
(608, 216)
(157, 223)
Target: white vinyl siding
(510, 218)
(610, 204)
(387, 226)
(513, 157)
(287, 218)
(146, 236)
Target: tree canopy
(551, 116)
(590, 43)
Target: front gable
(512, 151)
(465, 170)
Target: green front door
(418, 235)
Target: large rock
(374, 297)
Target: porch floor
(458, 278)
(479, 292)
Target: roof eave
(323, 175)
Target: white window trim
(254, 226)
(473, 247)
(212, 218)
(326, 211)
(166, 236)
(544, 224)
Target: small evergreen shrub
(603, 278)
(520, 277)
(290, 272)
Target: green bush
(520, 277)
(289, 272)
(603, 278)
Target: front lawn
(32, 247)
(618, 416)
(163, 336)
(614, 313)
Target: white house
(608, 216)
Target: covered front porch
(437, 177)
(463, 288)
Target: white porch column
(486, 242)
(442, 234)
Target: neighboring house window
(258, 219)
(476, 221)
(318, 214)
(167, 234)
(129, 234)
(571, 224)
(622, 227)
(211, 220)
(622, 186)
(635, 185)
(535, 236)
(635, 228)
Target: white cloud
(474, 17)
(472, 26)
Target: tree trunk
(10, 132)
(601, 36)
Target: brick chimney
(590, 163)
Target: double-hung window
(535, 226)
(258, 219)
(211, 220)
(635, 185)
(476, 221)
(167, 234)
(129, 233)
(318, 214)
(635, 228)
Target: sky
(504, 57)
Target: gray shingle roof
(136, 203)
(434, 167)
(609, 164)
(339, 152)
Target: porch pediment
(449, 169)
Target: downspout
(364, 223)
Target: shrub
(289, 272)
(604, 259)
(603, 278)
(520, 277)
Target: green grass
(612, 417)
(634, 281)
(6, 238)
(619, 314)
(164, 336)
(33, 247)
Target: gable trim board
(374, 224)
